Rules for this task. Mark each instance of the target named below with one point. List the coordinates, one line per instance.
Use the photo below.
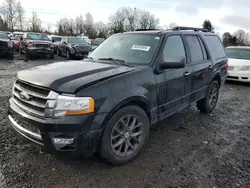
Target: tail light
(226, 64)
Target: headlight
(70, 105)
(72, 50)
(10, 45)
(244, 68)
(51, 46)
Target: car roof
(179, 30)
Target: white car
(238, 63)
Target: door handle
(210, 67)
(186, 73)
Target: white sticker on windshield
(140, 47)
(157, 38)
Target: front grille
(3, 44)
(42, 45)
(37, 99)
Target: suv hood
(39, 41)
(71, 76)
(4, 40)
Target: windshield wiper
(116, 61)
(89, 58)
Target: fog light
(63, 140)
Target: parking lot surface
(187, 150)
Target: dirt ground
(188, 150)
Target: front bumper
(76, 132)
(40, 51)
(6, 51)
(240, 76)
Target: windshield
(95, 42)
(56, 39)
(238, 53)
(3, 36)
(135, 49)
(17, 37)
(74, 40)
(37, 36)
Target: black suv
(6, 47)
(108, 101)
(73, 48)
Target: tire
(27, 55)
(51, 56)
(20, 51)
(11, 56)
(58, 53)
(68, 55)
(208, 103)
(123, 152)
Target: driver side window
(174, 47)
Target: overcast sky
(225, 15)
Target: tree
(242, 37)
(227, 39)
(172, 25)
(10, 13)
(208, 25)
(20, 16)
(35, 22)
(89, 29)
(79, 24)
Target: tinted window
(3, 36)
(37, 36)
(136, 49)
(195, 48)
(174, 47)
(215, 46)
(205, 56)
(56, 39)
(238, 53)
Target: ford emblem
(23, 95)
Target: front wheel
(125, 135)
(208, 103)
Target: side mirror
(64, 42)
(53, 41)
(21, 38)
(173, 63)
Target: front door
(171, 83)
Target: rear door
(202, 67)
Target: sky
(225, 15)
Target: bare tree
(10, 13)
(89, 28)
(242, 37)
(79, 24)
(20, 16)
(172, 25)
(35, 22)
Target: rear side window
(195, 48)
(174, 47)
(215, 46)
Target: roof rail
(146, 29)
(189, 28)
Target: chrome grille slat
(31, 102)
(27, 109)
(20, 88)
(31, 98)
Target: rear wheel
(68, 55)
(51, 56)
(208, 103)
(58, 53)
(125, 135)
(11, 56)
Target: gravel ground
(188, 150)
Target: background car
(16, 42)
(238, 63)
(36, 44)
(55, 39)
(73, 48)
(95, 43)
(6, 47)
